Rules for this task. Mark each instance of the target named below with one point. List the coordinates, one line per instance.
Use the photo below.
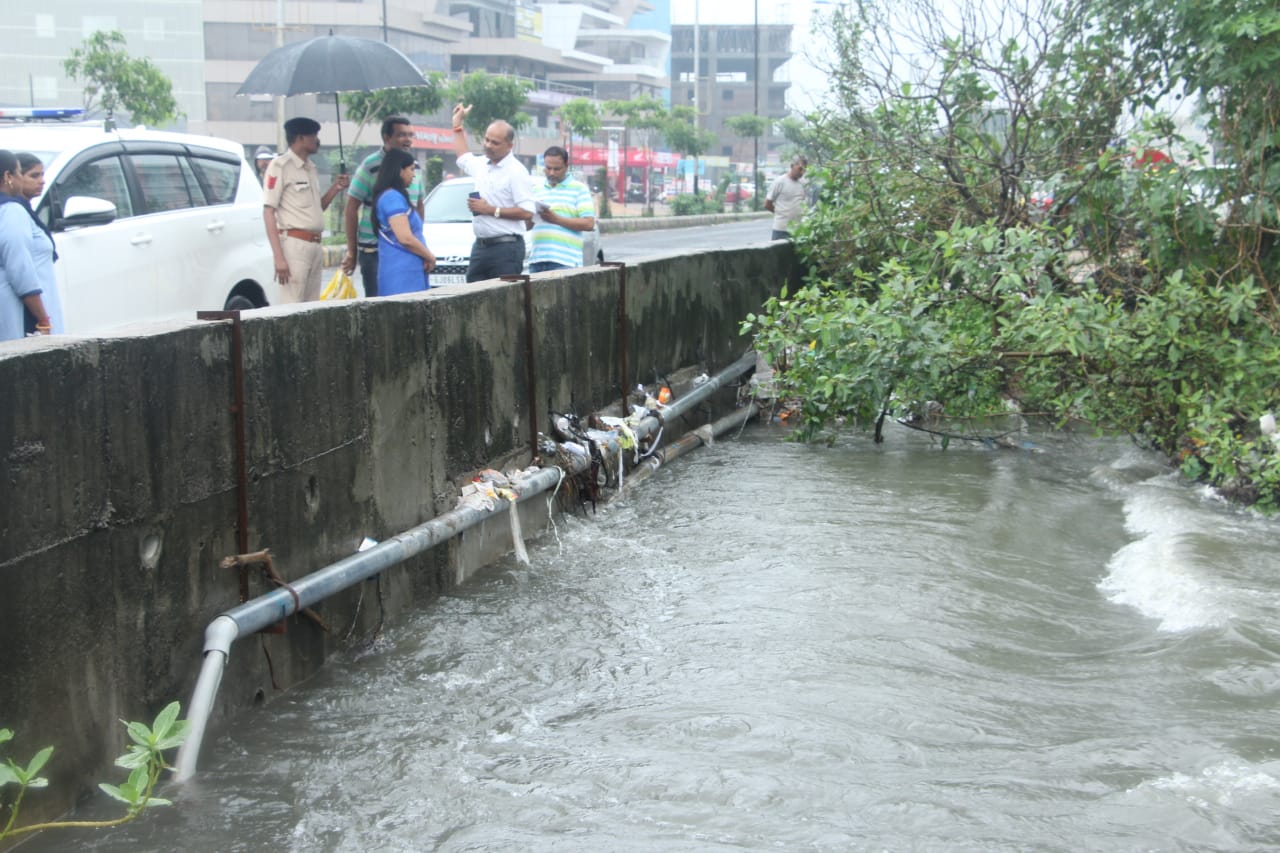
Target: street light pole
(697, 124)
(755, 140)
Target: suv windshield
(448, 203)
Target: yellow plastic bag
(339, 287)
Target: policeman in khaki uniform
(294, 212)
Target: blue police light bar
(41, 112)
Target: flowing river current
(769, 646)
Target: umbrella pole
(342, 159)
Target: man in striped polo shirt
(564, 211)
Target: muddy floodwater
(769, 646)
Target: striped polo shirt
(555, 244)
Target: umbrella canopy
(331, 64)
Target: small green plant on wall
(144, 759)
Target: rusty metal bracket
(622, 331)
(263, 558)
(531, 364)
(238, 412)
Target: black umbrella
(331, 64)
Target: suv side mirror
(82, 210)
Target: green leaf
(39, 760)
(136, 757)
(6, 735)
(139, 733)
(165, 719)
(116, 792)
(7, 776)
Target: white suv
(148, 225)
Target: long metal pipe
(258, 613)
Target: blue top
(399, 270)
(26, 268)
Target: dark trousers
(547, 266)
(495, 260)
(780, 235)
(369, 271)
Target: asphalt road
(638, 245)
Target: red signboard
(599, 156)
(433, 138)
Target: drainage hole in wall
(150, 552)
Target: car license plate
(445, 278)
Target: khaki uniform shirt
(292, 186)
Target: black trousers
(369, 271)
(495, 260)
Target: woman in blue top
(20, 283)
(403, 257)
(43, 251)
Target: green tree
(642, 117)
(994, 233)
(799, 135)
(434, 173)
(683, 135)
(491, 98)
(372, 107)
(115, 81)
(580, 117)
(748, 126)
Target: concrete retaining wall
(118, 486)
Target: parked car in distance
(447, 228)
(736, 193)
(148, 225)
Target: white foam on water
(1224, 784)
(1159, 573)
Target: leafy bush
(693, 205)
(1135, 293)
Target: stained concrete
(118, 492)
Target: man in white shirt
(787, 199)
(503, 200)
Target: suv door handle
(143, 239)
(216, 225)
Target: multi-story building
(41, 36)
(736, 65)
(208, 47)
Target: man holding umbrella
(294, 212)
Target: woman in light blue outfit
(403, 257)
(32, 185)
(20, 283)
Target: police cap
(301, 126)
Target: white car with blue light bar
(148, 225)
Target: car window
(102, 178)
(166, 182)
(448, 203)
(218, 178)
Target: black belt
(493, 241)
(368, 247)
